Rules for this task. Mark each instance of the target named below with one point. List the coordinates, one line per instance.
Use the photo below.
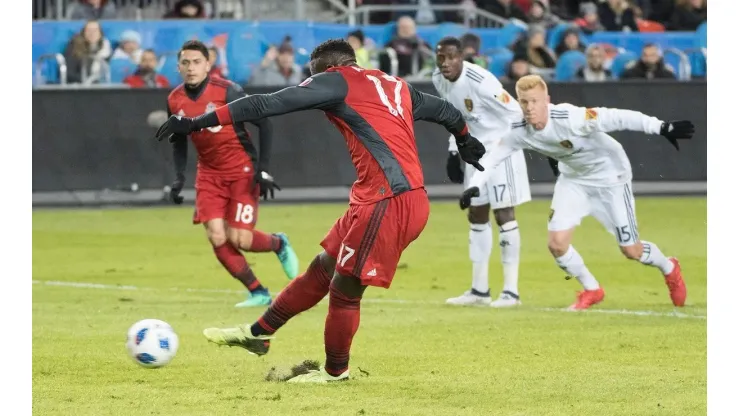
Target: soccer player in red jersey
(230, 178)
(388, 206)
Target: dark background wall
(94, 139)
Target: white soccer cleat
(471, 298)
(506, 300)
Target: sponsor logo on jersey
(591, 114)
(567, 144)
(504, 97)
(469, 104)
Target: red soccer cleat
(675, 283)
(587, 298)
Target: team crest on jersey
(591, 114)
(210, 107)
(567, 144)
(504, 97)
(469, 104)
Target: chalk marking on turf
(102, 286)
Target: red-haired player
(230, 177)
(388, 209)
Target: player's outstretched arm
(430, 108)
(321, 91)
(585, 121)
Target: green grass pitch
(417, 355)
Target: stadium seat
(509, 34)
(619, 63)
(698, 63)
(244, 49)
(120, 69)
(168, 68)
(446, 29)
(700, 38)
(499, 61)
(649, 26)
(568, 64)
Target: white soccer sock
(572, 263)
(510, 242)
(652, 256)
(480, 244)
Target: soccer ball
(152, 343)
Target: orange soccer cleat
(587, 298)
(675, 283)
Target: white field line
(86, 285)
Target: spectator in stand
(594, 70)
(187, 9)
(688, 15)
(278, 67)
(91, 10)
(146, 74)
(216, 69)
(540, 14)
(533, 47)
(649, 66)
(518, 68)
(503, 8)
(356, 39)
(589, 20)
(129, 47)
(617, 16)
(88, 49)
(409, 47)
(471, 50)
(570, 41)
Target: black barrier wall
(95, 139)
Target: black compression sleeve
(430, 108)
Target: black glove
(467, 196)
(175, 126)
(471, 150)
(554, 166)
(267, 185)
(175, 190)
(674, 130)
(455, 168)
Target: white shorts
(507, 185)
(613, 207)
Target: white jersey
(486, 107)
(576, 137)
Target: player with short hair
(595, 179)
(489, 111)
(388, 208)
(230, 177)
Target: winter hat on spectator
(130, 36)
(588, 8)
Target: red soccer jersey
(377, 122)
(374, 112)
(225, 151)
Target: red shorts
(367, 241)
(234, 200)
